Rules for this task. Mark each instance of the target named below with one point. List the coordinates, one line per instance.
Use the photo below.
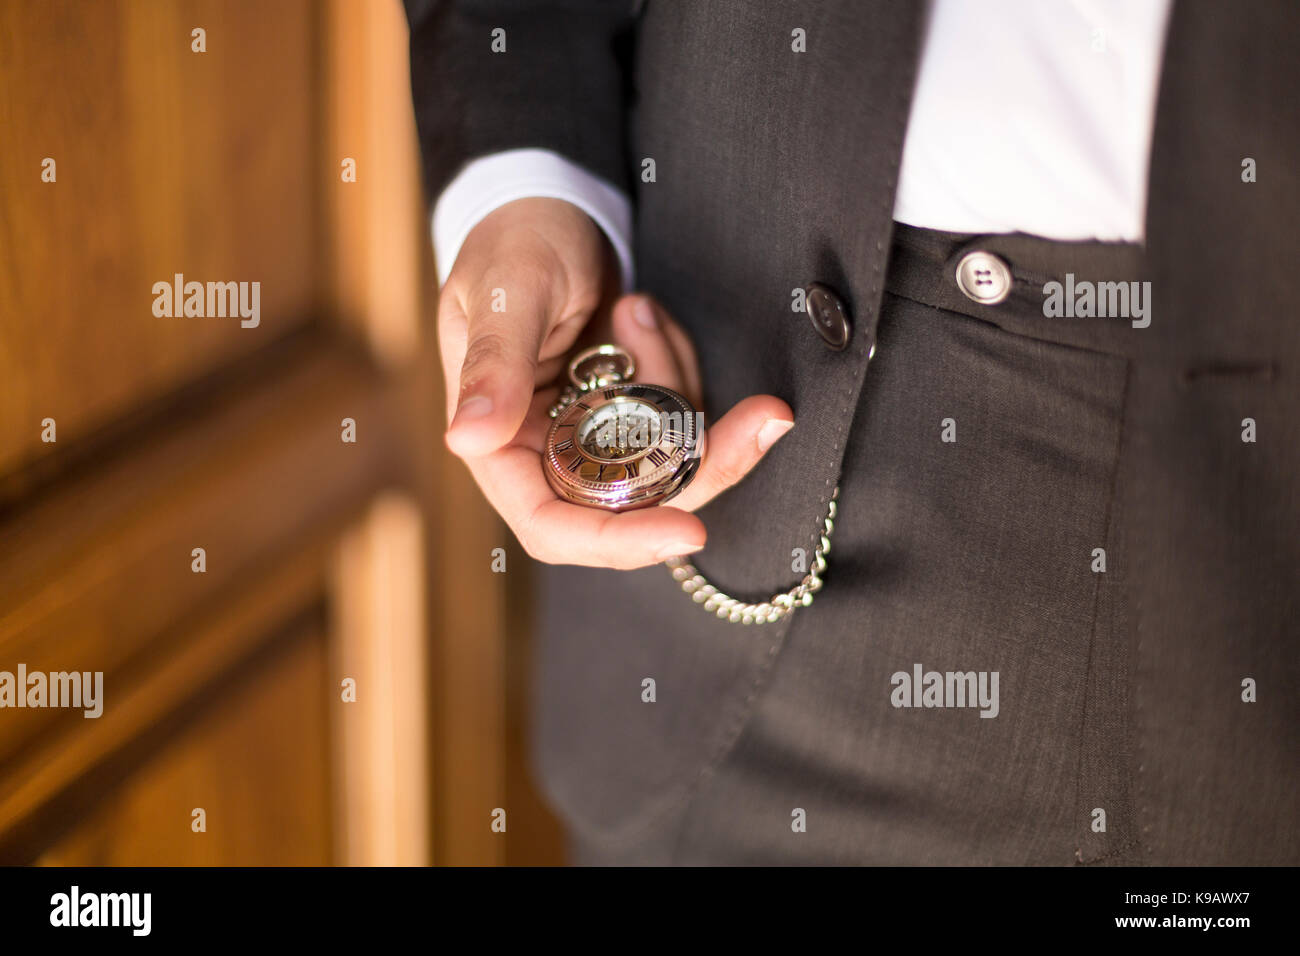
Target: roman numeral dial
(621, 446)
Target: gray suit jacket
(1120, 691)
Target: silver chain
(779, 605)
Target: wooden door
(244, 521)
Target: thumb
(497, 374)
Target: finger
(638, 327)
(735, 444)
(644, 313)
(550, 370)
(505, 325)
(532, 434)
(561, 338)
(624, 540)
(452, 328)
(557, 532)
(685, 353)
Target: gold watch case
(622, 446)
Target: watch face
(622, 447)
(618, 430)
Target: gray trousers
(980, 530)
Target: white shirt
(1028, 116)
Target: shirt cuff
(492, 181)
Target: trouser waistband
(1091, 295)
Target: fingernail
(677, 550)
(476, 406)
(772, 430)
(644, 315)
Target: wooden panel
(96, 573)
(469, 692)
(378, 640)
(168, 161)
(255, 762)
(79, 762)
(375, 219)
(383, 286)
(180, 433)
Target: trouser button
(984, 277)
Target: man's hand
(528, 280)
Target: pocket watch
(618, 444)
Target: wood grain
(96, 574)
(222, 687)
(254, 759)
(378, 638)
(168, 161)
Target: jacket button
(828, 315)
(983, 277)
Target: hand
(550, 272)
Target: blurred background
(338, 676)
